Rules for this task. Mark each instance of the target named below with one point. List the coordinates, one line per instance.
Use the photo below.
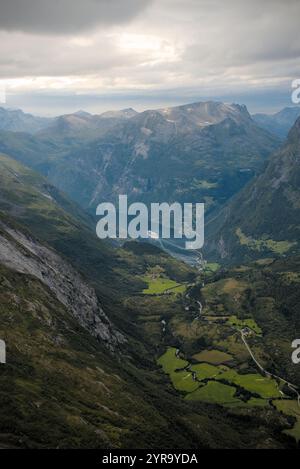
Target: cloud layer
(66, 16)
(204, 47)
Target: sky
(61, 56)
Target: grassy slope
(59, 377)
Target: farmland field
(214, 393)
(241, 323)
(292, 409)
(158, 286)
(181, 380)
(214, 357)
(265, 387)
(205, 371)
(170, 362)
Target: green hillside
(263, 219)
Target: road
(291, 386)
(200, 309)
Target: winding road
(291, 386)
(200, 309)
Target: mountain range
(16, 120)
(264, 218)
(82, 126)
(201, 151)
(279, 123)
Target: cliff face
(23, 254)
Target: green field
(292, 409)
(279, 247)
(158, 286)
(214, 357)
(212, 267)
(221, 392)
(241, 323)
(170, 362)
(253, 402)
(205, 371)
(266, 388)
(214, 393)
(181, 380)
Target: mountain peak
(203, 113)
(121, 114)
(82, 113)
(129, 110)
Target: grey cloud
(58, 57)
(214, 46)
(66, 16)
(240, 33)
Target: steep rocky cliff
(25, 255)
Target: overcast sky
(59, 56)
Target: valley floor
(215, 348)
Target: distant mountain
(122, 114)
(203, 151)
(62, 135)
(18, 121)
(199, 115)
(198, 152)
(279, 123)
(82, 126)
(264, 219)
(29, 149)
